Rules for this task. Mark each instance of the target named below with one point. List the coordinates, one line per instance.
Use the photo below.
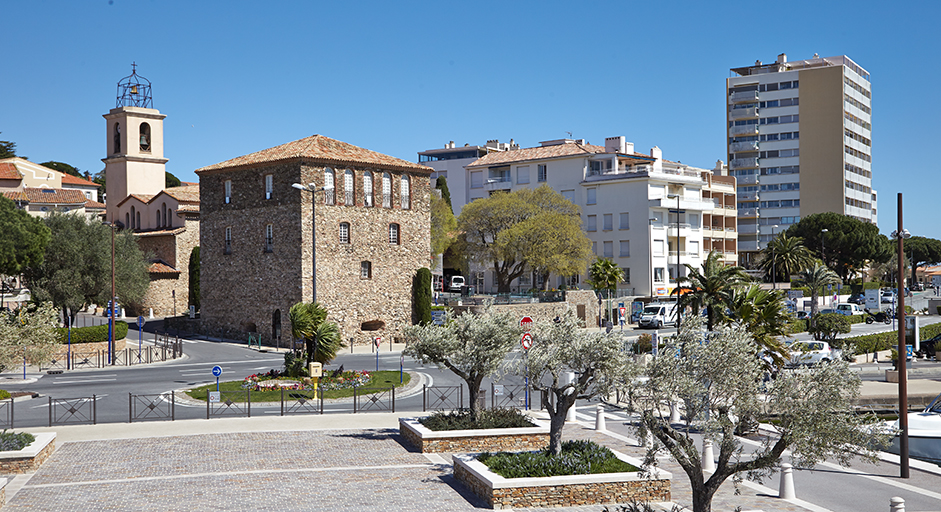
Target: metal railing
(440, 398)
(151, 407)
(73, 411)
(508, 395)
(6, 414)
(373, 399)
(230, 404)
(301, 401)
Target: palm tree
(787, 255)
(761, 313)
(816, 278)
(710, 288)
(322, 338)
(605, 274)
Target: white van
(457, 283)
(848, 308)
(656, 315)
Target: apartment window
(522, 174)
(477, 179)
(228, 241)
(609, 249)
(658, 247)
(591, 196)
(393, 234)
(269, 185)
(405, 192)
(365, 270)
(658, 275)
(569, 194)
(228, 191)
(269, 238)
(627, 275)
(694, 247)
(594, 247)
(625, 221)
(344, 232)
(608, 222)
(367, 188)
(592, 223)
(541, 173)
(386, 190)
(625, 249)
(329, 188)
(348, 196)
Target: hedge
(869, 343)
(93, 333)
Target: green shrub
(498, 417)
(421, 296)
(856, 319)
(92, 333)
(644, 344)
(11, 441)
(828, 325)
(939, 309)
(795, 326)
(577, 458)
(4, 394)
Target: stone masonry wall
(476, 444)
(546, 311)
(175, 250)
(26, 464)
(244, 291)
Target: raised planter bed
(29, 458)
(561, 491)
(473, 441)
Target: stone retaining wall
(560, 491)
(473, 441)
(30, 458)
(92, 347)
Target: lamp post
(774, 262)
(112, 225)
(312, 188)
(650, 253)
(900, 235)
(676, 276)
(823, 246)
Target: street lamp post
(676, 276)
(312, 188)
(823, 246)
(900, 235)
(113, 302)
(774, 262)
(650, 253)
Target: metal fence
(508, 395)
(230, 404)
(373, 399)
(159, 407)
(6, 413)
(442, 398)
(99, 358)
(301, 401)
(73, 411)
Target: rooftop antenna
(570, 134)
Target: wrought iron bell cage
(134, 91)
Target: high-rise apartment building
(799, 142)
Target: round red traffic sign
(526, 341)
(526, 323)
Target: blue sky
(401, 77)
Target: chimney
(614, 144)
(782, 58)
(628, 147)
(656, 152)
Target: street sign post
(377, 340)
(526, 323)
(526, 341)
(217, 371)
(140, 336)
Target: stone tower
(135, 162)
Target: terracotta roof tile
(537, 153)
(188, 208)
(16, 195)
(158, 267)
(94, 205)
(185, 194)
(54, 196)
(321, 149)
(144, 198)
(68, 179)
(8, 172)
(160, 232)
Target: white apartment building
(799, 142)
(450, 161)
(639, 210)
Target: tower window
(344, 232)
(158, 219)
(228, 240)
(386, 190)
(393, 234)
(145, 137)
(269, 185)
(348, 198)
(228, 191)
(367, 188)
(329, 192)
(404, 192)
(117, 138)
(365, 270)
(269, 238)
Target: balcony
(685, 204)
(747, 246)
(748, 129)
(751, 179)
(748, 213)
(748, 196)
(743, 163)
(743, 97)
(498, 184)
(748, 229)
(743, 113)
(741, 147)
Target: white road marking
(83, 381)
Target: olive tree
(29, 333)
(561, 347)
(472, 346)
(718, 378)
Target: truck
(656, 315)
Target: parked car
(929, 347)
(848, 309)
(887, 297)
(803, 315)
(827, 311)
(810, 352)
(457, 283)
(857, 298)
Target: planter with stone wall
(473, 441)
(561, 491)
(29, 458)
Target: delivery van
(656, 315)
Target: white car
(810, 352)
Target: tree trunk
(473, 388)
(557, 420)
(702, 496)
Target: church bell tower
(135, 162)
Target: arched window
(348, 198)
(127, 220)
(164, 208)
(133, 216)
(344, 232)
(386, 190)
(367, 188)
(138, 221)
(394, 234)
(145, 137)
(158, 219)
(329, 192)
(117, 138)
(404, 191)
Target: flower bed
(29, 458)
(476, 440)
(275, 379)
(561, 491)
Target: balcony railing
(743, 97)
(748, 212)
(750, 179)
(748, 129)
(739, 147)
(743, 163)
(743, 113)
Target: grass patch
(577, 458)
(383, 379)
(12, 441)
(489, 418)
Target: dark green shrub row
(796, 326)
(11, 441)
(92, 333)
(577, 458)
(869, 343)
(489, 418)
(4, 394)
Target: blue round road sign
(217, 370)
(140, 321)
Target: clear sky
(401, 77)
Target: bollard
(897, 504)
(569, 378)
(786, 490)
(151, 313)
(675, 413)
(708, 457)
(599, 419)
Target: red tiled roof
(158, 267)
(54, 196)
(8, 172)
(321, 149)
(144, 198)
(189, 183)
(161, 232)
(542, 153)
(189, 208)
(94, 205)
(184, 194)
(15, 195)
(68, 179)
